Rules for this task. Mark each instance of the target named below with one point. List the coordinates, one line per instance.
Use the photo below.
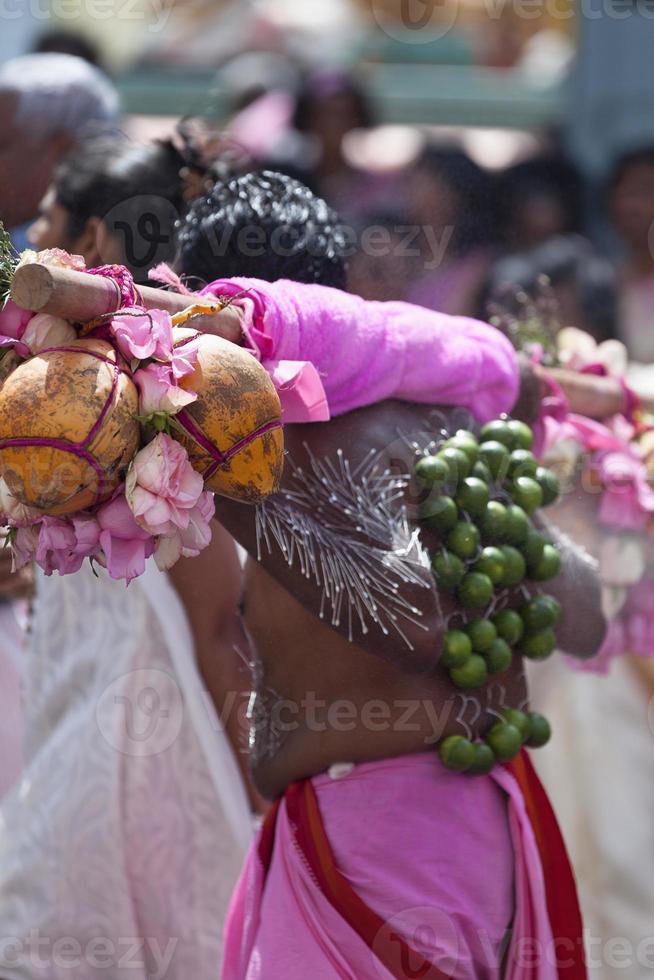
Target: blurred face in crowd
(52, 230)
(331, 118)
(538, 217)
(431, 200)
(632, 205)
(27, 160)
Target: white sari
(120, 845)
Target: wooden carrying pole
(80, 297)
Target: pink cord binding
(219, 458)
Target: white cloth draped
(121, 843)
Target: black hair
(135, 190)
(551, 176)
(62, 41)
(320, 85)
(264, 226)
(564, 260)
(474, 190)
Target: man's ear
(90, 243)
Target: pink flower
(87, 534)
(142, 334)
(44, 330)
(162, 487)
(13, 322)
(55, 551)
(15, 513)
(53, 256)
(125, 545)
(628, 500)
(192, 540)
(185, 356)
(24, 547)
(159, 392)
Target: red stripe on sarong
(560, 887)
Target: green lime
(457, 753)
(472, 496)
(499, 657)
(475, 591)
(517, 524)
(504, 740)
(432, 471)
(498, 431)
(484, 759)
(440, 514)
(526, 493)
(549, 484)
(457, 648)
(458, 462)
(493, 521)
(481, 471)
(473, 673)
(512, 716)
(491, 562)
(548, 567)
(482, 634)
(496, 457)
(539, 645)
(532, 547)
(448, 570)
(522, 463)
(463, 540)
(515, 568)
(466, 442)
(509, 626)
(523, 437)
(540, 613)
(539, 730)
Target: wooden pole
(81, 297)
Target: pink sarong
(402, 869)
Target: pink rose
(162, 487)
(24, 547)
(55, 551)
(53, 256)
(13, 322)
(15, 513)
(125, 545)
(159, 392)
(190, 541)
(142, 334)
(87, 534)
(185, 357)
(44, 330)
(628, 500)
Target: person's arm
(367, 352)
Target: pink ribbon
(300, 390)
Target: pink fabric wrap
(367, 352)
(448, 861)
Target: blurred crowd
(423, 218)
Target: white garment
(123, 840)
(599, 773)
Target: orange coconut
(68, 427)
(233, 432)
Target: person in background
(630, 201)
(582, 284)
(386, 259)
(450, 205)
(48, 104)
(114, 201)
(537, 199)
(61, 41)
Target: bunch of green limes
(481, 495)
(502, 743)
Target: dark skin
(303, 665)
